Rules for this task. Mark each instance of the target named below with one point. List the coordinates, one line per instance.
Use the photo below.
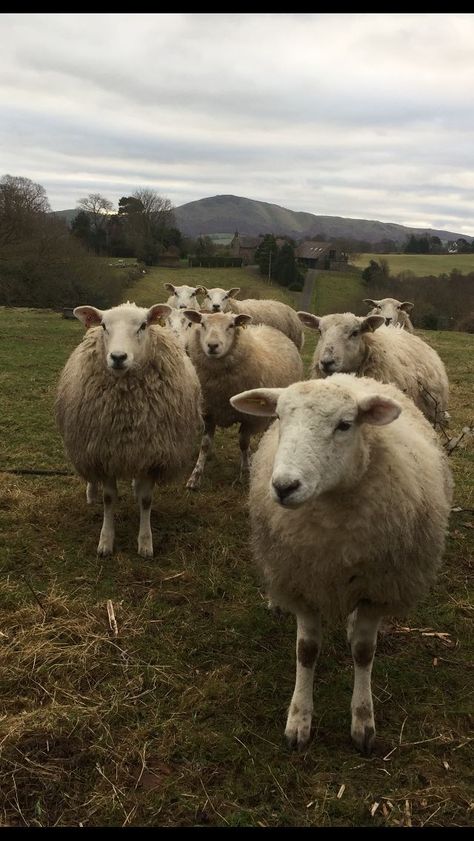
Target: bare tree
(98, 207)
(21, 202)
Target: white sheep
(350, 494)
(263, 311)
(179, 325)
(395, 312)
(128, 406)
(184, 297)
(367, 347)
(230, 357)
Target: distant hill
(224, 215)
(234, 213)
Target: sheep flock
(349, 487)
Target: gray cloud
(358, 115)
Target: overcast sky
(367, 116)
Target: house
(170, 258)
(244, 247)
(322, 255)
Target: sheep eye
(142, 326)
(103, 326)
(354, 334)
(343, 426)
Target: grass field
(179, 720)
(420, 264)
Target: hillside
(227, 214)
(234, 213)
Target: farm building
(245, 247)
(321, 255)
(170, 258)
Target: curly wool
(380, 540)
(273, 313)
(399, 357)
(141, 423)
(260, 356)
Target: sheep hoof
(298, 731)
(104, 550)
(364, 739)
(145, 550)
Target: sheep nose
(216, 307)
(118, 359)
(326, 365)
(388, 321)
(212, 347)
(285, 490)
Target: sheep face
(184, 296)
(341, 347)
(177, 322)
(217, 300)
(218, 330)
(124, 331)
(389, 308)
(321, 447)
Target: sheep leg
(308, 646)
(106, 542)
(92, 492)
(144, 492)
(206, 445)
(362, 635)
(244, 444)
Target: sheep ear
(233, 292)
(242, 319)
(201, 290)
(309, 320)
(378, 410)
(170, 288)
(371, 302)
(407, 306)
(371, 323)
(90, 316)
(257, 401)
(193, 315)
(156, 312)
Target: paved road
(307, 291)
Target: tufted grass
(179, 720)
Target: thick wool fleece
(399, 357)
(273, 313)
(144, 422)
(380, 540)
(260, 356)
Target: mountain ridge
(227, 213)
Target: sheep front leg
(144, 491)
(362, 635)
(107, 534)
(206, 445)
(308, 646)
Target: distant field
(179, 720)
(338, 292)
(420, 264)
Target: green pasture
(178, 720)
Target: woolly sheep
(127, 405)
(179, 325)
(263, 311)
(228, 359)
(183, 297)
(350, 493)
(366, 347)
(395, 312)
